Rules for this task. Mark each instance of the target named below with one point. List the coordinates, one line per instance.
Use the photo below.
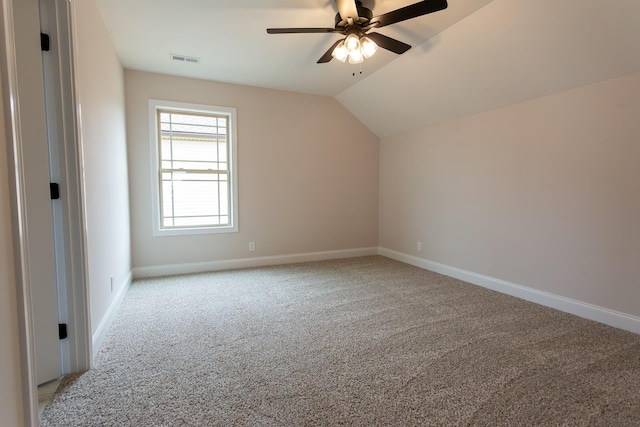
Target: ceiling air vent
(184, 58)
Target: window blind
(194, 169)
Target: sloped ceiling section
(507, 52)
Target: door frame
(18, 16)
(73, 296)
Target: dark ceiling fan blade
(347, 9)
(408, 12)
(327, 55)
(301, 30)
(388, 43)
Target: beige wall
(10, 373)
(101, 92)
(542, 194)
(308, 173)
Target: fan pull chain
(359, 72)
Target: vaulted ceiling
(474, 56)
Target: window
(194, 168)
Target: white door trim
(13, 124)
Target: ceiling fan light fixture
(356, 56)
(354, 21)
(352, 42)
(369, 47)
(340, 52)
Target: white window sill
(193, 231)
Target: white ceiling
(230, 38)
(474, 56)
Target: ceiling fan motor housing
(364, 16)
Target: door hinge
(44, 42)
(55, 191)
(62, 331)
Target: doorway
(27, 125)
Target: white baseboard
(103, 327)
(200, 267)
(588, 311)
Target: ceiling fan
(355, 21)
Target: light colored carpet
(365, 341)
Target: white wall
(101, 92)
(10, 369)
(308, 173)
(542, 194)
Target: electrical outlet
(111, 280)
(419, 246)
(252, 246)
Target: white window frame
(230, 113)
